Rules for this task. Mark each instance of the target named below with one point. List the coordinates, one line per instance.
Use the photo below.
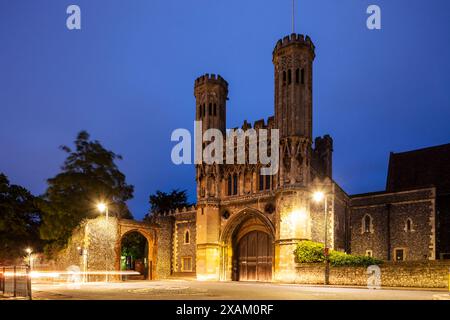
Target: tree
(89, 176)
(164, 202)
(19, 221)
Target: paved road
(193, 290)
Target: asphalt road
(193, 290)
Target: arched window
(187, 237)
(261, 182)
(284, 78)
(289, 76)
(215, 109)
(210, 109)
(230, 183)
(268, 180)
(409, 225)
(235, 184)
(367, 224)
(297, 76)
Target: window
(367, 224)
(289, 76)
(268, 182)
(235, 184)
(369, 253)
(210, 109)
(230, 183)
(200, 110)
(261, 182)
(187, 237)
(204, 107)
(215, 109)
(187, 264)
(409, 225)
(297, 76)
(399, 254)
(302, 76)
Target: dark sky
(127, 78)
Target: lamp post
(102, 207)
(319, 196)
(29, 252)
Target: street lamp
(103, 207)
(319, 196)
(29, 251)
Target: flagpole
(293, 16)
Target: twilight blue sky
(127, 78)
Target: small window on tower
(297, 76)
(204, 107)
(200, 110)
(210, 109)
(289, 76)
(302, 76)
(284, 78)
(268, 182)
(235, 184)
(215, 109)
(261, 182)
(230, 182)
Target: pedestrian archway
(134, 255)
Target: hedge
(313, 252)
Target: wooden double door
(254, 257)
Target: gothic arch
(239, 225)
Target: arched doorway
(247, 247)
(254, 256)
(134, 253)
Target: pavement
(206, 290)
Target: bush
(313, 252)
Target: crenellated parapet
(172, 213)
(298, 40)
(211, 78)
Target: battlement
(176, 211)
(210, 78)
(294, 38)
(258, 124)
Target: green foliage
(89, 175)
(309, 252)
(134, 245)
(164, 202)
(19, 222)
(313, 252)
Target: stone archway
(126, 227)
(247, 243)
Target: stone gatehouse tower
(246, 225)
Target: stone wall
(389, 213)
(164, 257)
(185, 222)
(419, 274)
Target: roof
(420, 168)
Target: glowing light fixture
(102, 207)
(318, 196)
